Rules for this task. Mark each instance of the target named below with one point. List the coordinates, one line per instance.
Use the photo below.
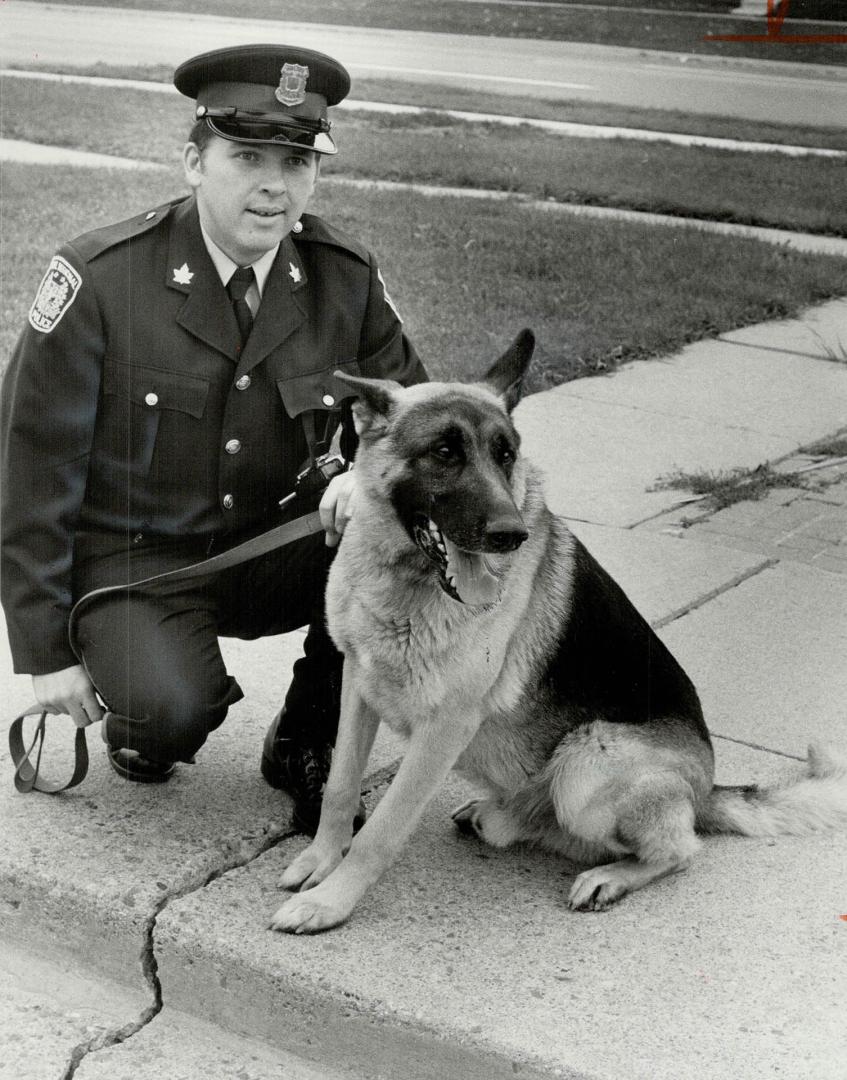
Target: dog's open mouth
(474, 578)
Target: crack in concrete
(149, 964)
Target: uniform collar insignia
(294, 273)
(182, 275)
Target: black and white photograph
(423, 540)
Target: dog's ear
(372, 408)
(506, 376)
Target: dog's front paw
(311, 867)
(309, 913)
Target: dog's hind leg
(490, 821)
(651, 821)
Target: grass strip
(435, 96)
(814, 10)
(430, 148)
(596, 294)
(669, 30)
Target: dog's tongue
(475, 577)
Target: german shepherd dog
(474, 623)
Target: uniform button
(228, 502)
(328, 400)
(233, 446)
(243, 382)
(151, 399)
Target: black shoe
(300, 769)
(132, 766)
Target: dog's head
(444, 456)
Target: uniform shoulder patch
(55, 295)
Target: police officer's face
(249, 196)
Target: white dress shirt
(226, 268)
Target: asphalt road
(765, 91)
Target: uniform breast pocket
(140, 404)
(318, 389)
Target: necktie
(237, 288)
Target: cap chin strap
(319, 142)
(298, 123)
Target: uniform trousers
(154, 657)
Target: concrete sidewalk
(138, 916)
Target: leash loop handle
(27, 775)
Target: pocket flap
(317, 389)
(156, 389)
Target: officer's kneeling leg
(156, 663)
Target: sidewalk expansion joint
(149, 963)
(713, 594)
(831, 357)
(757, 746)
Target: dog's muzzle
(474, 578)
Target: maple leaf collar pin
(182, 275)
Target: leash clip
(318, 473)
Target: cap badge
(292, 84)
(182, 275)
(294, 273)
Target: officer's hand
(336, 506)
(68, 691)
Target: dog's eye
(504, 453)
(443, 451)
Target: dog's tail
(812, 803)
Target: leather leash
(27, 776)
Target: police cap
(266, 94)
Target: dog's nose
(502, 536)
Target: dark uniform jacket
(127, 410)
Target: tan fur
(459, 683)
(814, 802)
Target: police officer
(174, 379)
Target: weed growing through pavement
(836, 352)
(728, 486)
(724, 488)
